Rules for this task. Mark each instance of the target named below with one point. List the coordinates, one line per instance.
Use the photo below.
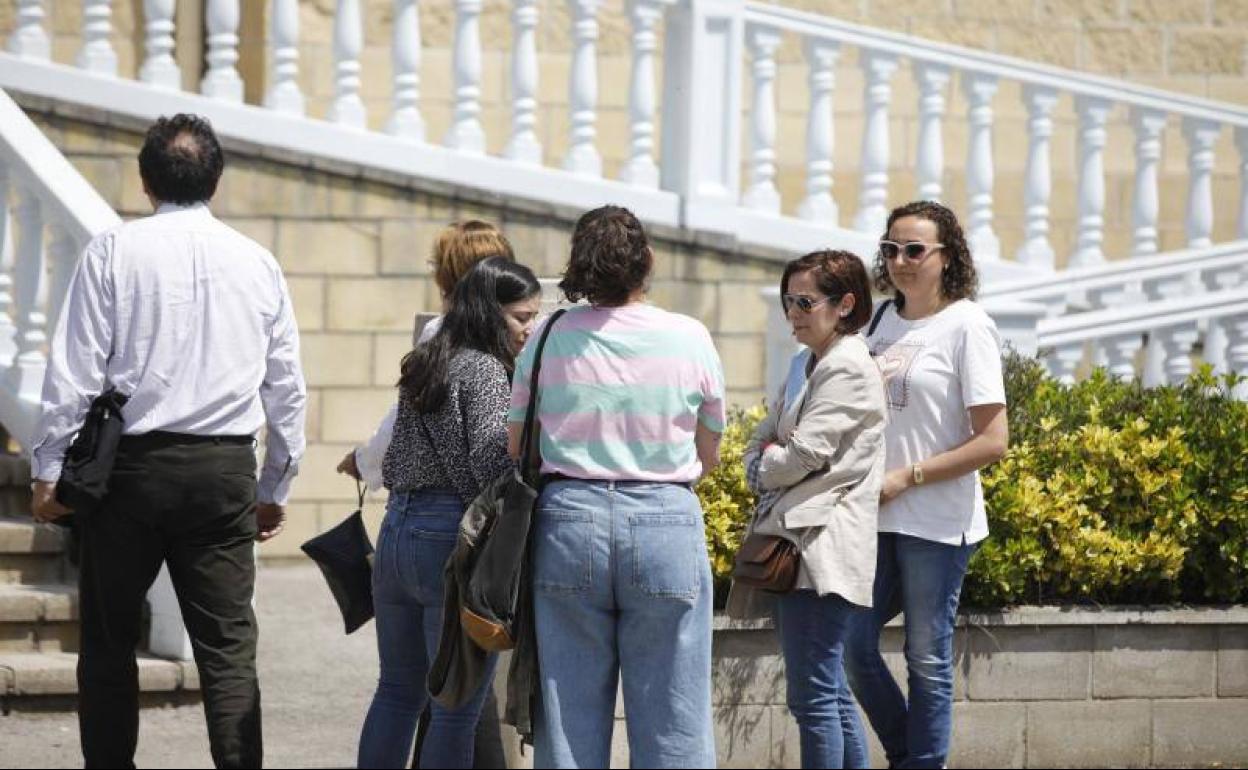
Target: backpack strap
(526, 436)
(879, 315)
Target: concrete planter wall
(1036, 687)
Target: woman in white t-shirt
(940, 355)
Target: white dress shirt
(193, 321)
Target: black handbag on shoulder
(90, 458)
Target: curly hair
(837, 273)
(959, 279)
(461, 245)
(181, 160)
(610, 260)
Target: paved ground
(316, 685)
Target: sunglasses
(803, 303)
(914, 251)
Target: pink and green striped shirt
(621, 392)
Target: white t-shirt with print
(934, 369)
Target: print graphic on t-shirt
(896, 362)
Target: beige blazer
(827, 450)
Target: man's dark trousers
(188, 501)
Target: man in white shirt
(193, 322)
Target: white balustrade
(1120, 353)
(1093, 115)
(762, 195)
(222, 80)
(524, 146)
(1037, 249)
(1145, 207)
(583, 157)
(1237, 351)
(1176, 345)
(878, 67)
(933, 81)
(980, 90)
(1201, 135)
(640, 169)
(406, 120)
(97, 54)
(348, 107)
(466, 133)
(25, 377)
(62, 258)
(1064, 360)
(7, 328)
(159, 68)
(1241, 144)
(29, 38)
(818, 205)
(284, 94)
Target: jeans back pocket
(563, 560)
(666, 549)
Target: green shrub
(727, 502)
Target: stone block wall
(355, 256)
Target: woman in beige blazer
(817, 465)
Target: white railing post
(159, 68)
(466, 133)
(1201, 135)
(1155, 357)
(703, 59)
(222, 80)
(1237, 351)
(97, 54)
(583, 157)
(1241, 144)
(878, 67)
(524, 146)
(819, 205)
(62, 258)
(640, 169)
(1177, 343)
(762, 195)
(980, 90)
(1145, 204)
(1120, 353)
(1064, 360)
(406, 120)
(1037, 249)
(1093, 114)
(284, 94)
(933, 81)
(7, 328)
(25, 376)
(29, 38)
(348, 108)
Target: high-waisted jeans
(417, 536)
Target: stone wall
(355, 255)
(1034, 687)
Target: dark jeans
(190, 503)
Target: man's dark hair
(181, 160)
(610, 258)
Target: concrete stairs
(39, 613)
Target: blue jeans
(417, 536)
(622, 589)
(812, 635)
(923, 580)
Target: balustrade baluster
(524, 146)
(466, 133)
(1037, 249)
(62, 258)
(222, 80)
(284, 94)
(1064, 360)
(980, 90)
(406, 120)
(1157, 290)
(1237, 352)
(1145, 206)
(97, 54)
(1120, 353)
(25, 376)
(1176, 344)
(583, 157)
(1093, 114)
(933, 81)
(641, 169)
(29, 38)
(7, 328)
(762, 194)
(348, 107)
(878, 68)
(1241, 143)
(818, 205)
(1201, 135)
(159, 67)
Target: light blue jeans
(812, 632)
(417, 536)
(923, 580)
(622, 590)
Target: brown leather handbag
(768, 563)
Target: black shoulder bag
(89, 461)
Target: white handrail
(1142, 318)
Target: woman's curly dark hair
(959, 279)
(610, 258)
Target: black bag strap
(359, 490)
(879, 315)
(530, 414)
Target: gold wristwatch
(916, 473)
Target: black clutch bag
(90, 458)
(343, 554)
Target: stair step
(31, 569)
(56, 673)
(41, 618)
(26, 537)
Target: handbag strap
(879, 315)
(359, 490)
(530, 414)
